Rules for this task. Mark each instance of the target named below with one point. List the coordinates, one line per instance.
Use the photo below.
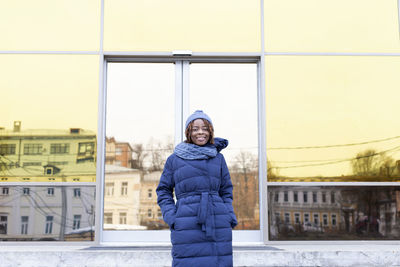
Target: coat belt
(205, 215)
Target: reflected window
(297, 217)
(332, 197)
(122, 218)
(59, 148)
(295, 196)
(314, 197)
(85, 152)
(325, 219)
(286, 196)
(50, 191)
(108, 217)
(276, 196)
(3, 224)
(124, 189)
(305, 197)
(306, 217)
(323, 197)
(159, 214)
(77, 222)
(49, 225)
(26, 191)
(33, 149)
(7, 149)
(5, 191)
(149, 193)
(334, 219)
(77, 192)
(109, 189)
(316, 218)
(149, 213)
(24, 225)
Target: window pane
(39, 216)
(359, 213)
(228, 94)
(50, 25)
(37, 143)
(331, 26)
(158, 25)
(333, 118)
(140, 126)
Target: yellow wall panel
(43, 25)
(317, 101)
(49, 91)
(331, 26)
(159, 25)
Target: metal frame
(116, 237)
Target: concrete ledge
(282, 255)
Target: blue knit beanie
(198, 114)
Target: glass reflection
(47, 213)
(47, 155)
(231, 85)
(137, 145)
(333, 120)
(334, 213)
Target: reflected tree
(139, 156)
(158, 153)
(371, 163)
(244, 173)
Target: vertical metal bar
(101, 135)
(178, 102)
(185, 94)
(262, 135)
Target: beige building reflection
(130, 199)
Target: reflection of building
(334, 212)
(150, 213)
(304, 209)
(47, 155)
(47, 213)
(121, 198)
(118, 153)
(245, 199)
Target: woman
(202, 219)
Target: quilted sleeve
(225, 190)
(165, 194)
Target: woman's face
(200, 134)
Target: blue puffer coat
(202, 219)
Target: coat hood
(220, 143)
